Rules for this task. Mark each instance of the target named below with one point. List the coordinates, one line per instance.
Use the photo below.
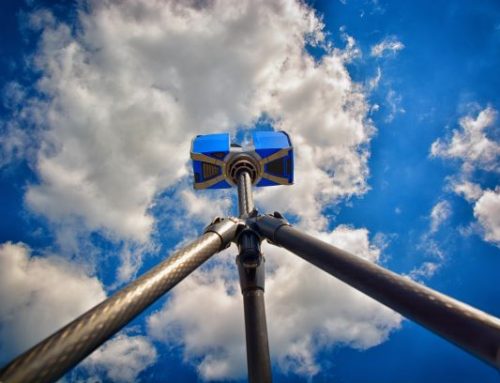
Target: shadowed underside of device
(268, 159)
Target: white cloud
(205, 315)
(122, 98)
(329, 138)
(182, 211)
(428, 245)
(120, 359)
(471, 144)
(477, 150)
(131, 260)
(440, 213)
(393, 101)
(118, 121)
(469, 190)
(388, 46)
(487, 212)
(351, 50)
(425, 271)
(307, 310)
(39, 295)
(375, 80)
(205, 207)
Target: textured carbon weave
(475, 331)
(245, 198)
(51, 358)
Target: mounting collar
(225, 228)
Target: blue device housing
(213, 155)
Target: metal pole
(472, 329)
(245, 197)
(51, 358)
(251, 269)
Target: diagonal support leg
(472, 329)
(51, 358)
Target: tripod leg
(252, 288)
(467, 327)
(251, 270)
(51, 358)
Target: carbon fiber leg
(473, 330)
(51, 358)
(251, 269)
(252, 288)
(245, 198)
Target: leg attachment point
(225, 228)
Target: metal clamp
(225, 228)
(267, 225)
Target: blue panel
(267, 143)
(270, 140)
(265, 182)
(219, 142)
(263, 153)
(197, 166)
(218, 146)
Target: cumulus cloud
(487, 212)
(205, 207)
(121, 359)
(39, 295)
(121, 97)
(476, 146)
(469, 190)
(440, 213)
(471, 144)
(205, 316)
(124, 95)
(307, 311)
(388, 46)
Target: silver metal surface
(245, 197)
(51, 358)
(475, 331)
(226, 228)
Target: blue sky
(393, 107)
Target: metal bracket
(268, 225)
(225, 228)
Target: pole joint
(225, 228)
(268, 225)
(250, 261)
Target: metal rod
(51, 358)
(245, 197)
(472, 329)
(251, 269)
